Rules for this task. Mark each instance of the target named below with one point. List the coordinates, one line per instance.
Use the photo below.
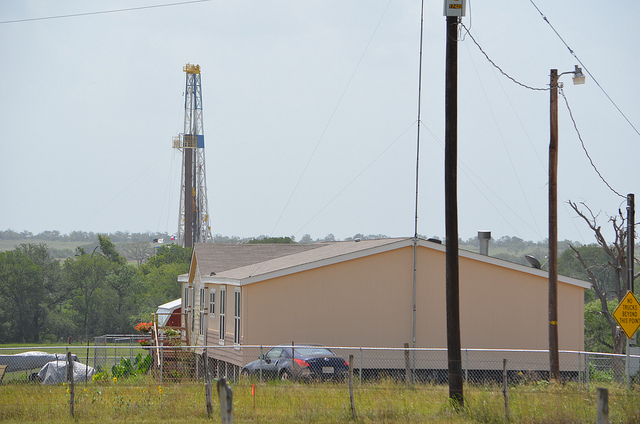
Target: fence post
(587, 369)
(466, 366)
(293, 361)
(161, 361)
(86, 369)
(353, 405)
(71, 385)
(261, 362)
(603, 406)
(407, 365)
(225, 394)
(579, 369)
(504, 389)
(360, 366)
(207, 383)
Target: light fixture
(578, 76)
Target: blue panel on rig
(200, 141)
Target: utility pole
(453, 10)
(554, 358)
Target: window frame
(212, 303)
(222, 312)
(203, 312)
(237, 304)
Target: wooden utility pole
(554, 359)
(454, 353)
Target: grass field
(141, 400)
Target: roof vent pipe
(483, 238)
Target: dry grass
(142, 400)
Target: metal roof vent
(483, 238)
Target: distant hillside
(63, 246)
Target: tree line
(92, 293)
(104, 288)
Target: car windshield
(313, 351)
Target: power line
(356, 177)
(497, 67)
(575, 126)
(335, 109)
(585, 68)
(102, 12)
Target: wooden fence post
(71, 385)
(504, 389)
(207, 383)
(353, 404)
(602, 402)
(226, 401)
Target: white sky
(316, 96)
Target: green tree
(86, 275)
(610, 282)
(167, 254)
(22, 293)
(597, 334)
(160, 275)
(30, 285)
(123, 292)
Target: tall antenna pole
(193, 219)
(415, 225)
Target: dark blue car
(310, 363)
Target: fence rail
(122, 356)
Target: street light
(554, 359)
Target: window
(212, 303)
(203, 313)
(186, 297)
(222, 312)
(236, 316)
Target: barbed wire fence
(386, 374)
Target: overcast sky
(310, 115)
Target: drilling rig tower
(194, 225)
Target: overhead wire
(584, 67)
(468, 32)
(462, 166)
(335, 109)
(575, 126)
(356, 177)
(102, 12)
(506, 148)
(131, 183)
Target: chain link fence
(123, 356)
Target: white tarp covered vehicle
(30, 360)
(55, 372)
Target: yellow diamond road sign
(628, 314)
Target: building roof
(250, 263)
(218, 258)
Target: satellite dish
(533, 261)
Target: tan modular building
(360, 294)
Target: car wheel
(285, 375)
